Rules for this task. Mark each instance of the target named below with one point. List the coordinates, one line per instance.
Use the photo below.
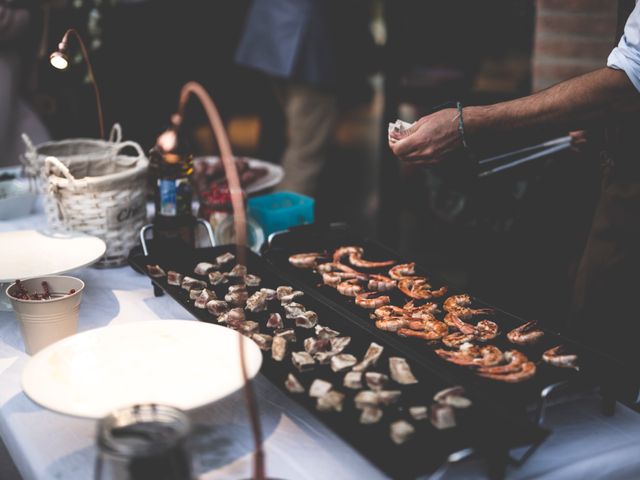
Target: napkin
(398, 126)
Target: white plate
(29, 253)
(180, 363)
(275, 173)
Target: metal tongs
(546, 148)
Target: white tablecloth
(46, 445)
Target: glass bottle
(170, 172)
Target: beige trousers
(311, 117)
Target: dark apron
(607, 288)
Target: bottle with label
(170, 173)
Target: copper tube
(231, 172)
(240, 224)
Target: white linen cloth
(626, 56)
(46, 445)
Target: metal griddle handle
(143, 240)
(455, 457)
(209, 230)
(273, 235)
(146, 228)
(543, 403)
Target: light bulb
(167, 140)
(59, 60)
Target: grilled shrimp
(336, 267)
(403, 270)
(459, 304)
(455, 321)
(418, 288)
(558, 357)
(332, 279)
(486, 330)
(437, 293)
(350, 288)
(305, 260)
(515, 360)
(389, 311)
(428, 307)
(454, 340)
(418, 315)
(342, 252)
(525, 334)
(405, 285)
(526, 371)
(427, 330)
(422, 334)
(466, 313)
(392, 324)
(456, 301)
(364, 300)
(357, 261)
(380, 283)
(489, 356)
(464, 356)
(457, 357)
(471, 355)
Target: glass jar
(143, 442)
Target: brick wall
(571, 37)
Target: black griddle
(487, 430)
(596, 369)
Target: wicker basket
(79, 154)
(106, 200)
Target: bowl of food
(16, 194)
(255, 175)
(46, 308)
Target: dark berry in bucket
(21, 293)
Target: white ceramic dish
(181, 363)
(275, 173)
(29, 253)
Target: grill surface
(595, 369)
(429, 447)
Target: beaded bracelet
(461, 127)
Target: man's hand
(429, 139)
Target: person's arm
(594, 96)
(571, 104)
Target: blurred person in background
(606, 284)
(17, 25)
(311, 49)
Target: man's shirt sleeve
(626, 56)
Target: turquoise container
(281, 210)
